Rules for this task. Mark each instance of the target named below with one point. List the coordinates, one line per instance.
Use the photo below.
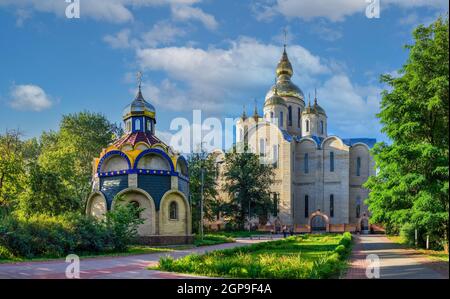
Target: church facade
(145, 172)
(318, 178)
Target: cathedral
(145, 172)
(318, 178)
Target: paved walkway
(109, 267)
(395, 261)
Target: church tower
(314, 120)
(292, 95)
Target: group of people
(285, 230)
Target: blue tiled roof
(286, 135)
(370, 142)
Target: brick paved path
(109, 267)
(396, 262)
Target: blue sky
(214, 55)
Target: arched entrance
(318, 224)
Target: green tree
(70, 152)
(12, 167)
(197, 162)
(45, 194)
(411, 186)
(247, 182)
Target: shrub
(5, 253)
(55, 236)
(346, 240)
(122, 224)
(341, 250)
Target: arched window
(306, 206)
(358, 166)
(331, 161)
(306, 165)
(271, 116)
(128, 126)
(149, 125)
(262, 147)
(137, 124)
(358, 207)
(290, 116)
(281, 120)
(275, 156)
(173, 211)
(331, 205)
(299, 115)
(307, 125)
(241, 135)
(321, 127)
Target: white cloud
(121, 40)
(186, 13)
(214, 78)
(29, 97)
(22, 15)
(115, 11)
(334, 10)
(162, 33)
(350, 108)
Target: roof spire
(255, 114)
(244, 114)
(309, 99)
(315, 96)
(285, 39)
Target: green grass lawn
(132, 250)
(212, 239)
(305, 256)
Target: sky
(213, 55)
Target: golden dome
(275, 99)
(284, 66)
(284, 85)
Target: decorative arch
(154, 151)
(149, 214)
(187, 214)
(318, 213)
(330, 138)
(90, 199)
(361, 143)
(304, 139)
(141, 143)
(111, 154)
(183, 160)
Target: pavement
(118, 267)
(394, 261)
